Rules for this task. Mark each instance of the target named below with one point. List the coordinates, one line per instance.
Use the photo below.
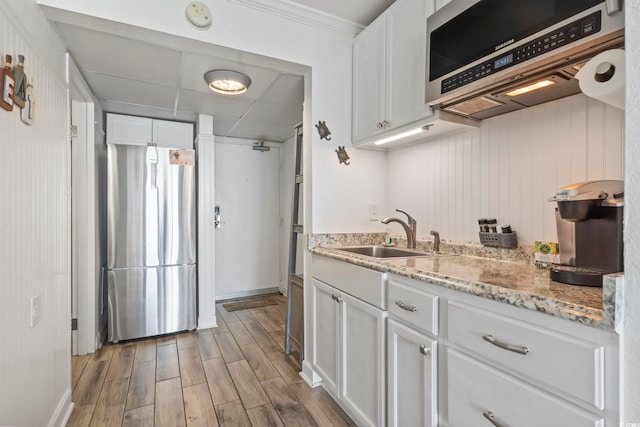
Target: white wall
(630, 374)
(506, 169)
(35, 363)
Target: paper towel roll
(603, 77)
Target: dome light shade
(227, 82)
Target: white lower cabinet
(411, 377)
(445, 358)
(507, 367)
(349, 352)
(326, 329)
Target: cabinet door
(368, 80)
(173, 134)
(128, 130)
(362, 360)
(405, 63)
(325, 311)
(411, 377)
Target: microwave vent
(473, 106)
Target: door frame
(86, 338)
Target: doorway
(88, 221)
(248, 242)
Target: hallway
(232, 375)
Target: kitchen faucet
(410, 228)
(436, 241)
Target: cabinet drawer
(363, 283)
(542, 356)
(477, 392)
(414, 307)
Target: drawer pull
(489, 415)
(336, 298)
(406, 306)
(424, 349)
(515, 348)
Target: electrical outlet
(373, 212)
(35, 310)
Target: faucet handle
(412, 220)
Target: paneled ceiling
(131, 76)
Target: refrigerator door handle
(154, 174)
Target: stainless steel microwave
(480, 51)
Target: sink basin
(384, 251)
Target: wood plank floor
(234, 375)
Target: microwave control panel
(569, 33)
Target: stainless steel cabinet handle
(380, 125)
(489, 415)
(406, 306)
(336, 297)
(426, 350)
(510, 347)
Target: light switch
(373, 212)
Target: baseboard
(309, 375)
(207, 322)
(245, 294)
(63, 411)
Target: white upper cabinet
(389, 70)
(441, 3)
(132, 130)
(172, 134)
(368, 80)
(128, 130)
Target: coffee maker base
(577, 275)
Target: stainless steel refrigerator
(151, 270)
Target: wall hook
(323, 131)
(343, 156)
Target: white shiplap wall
(506, 169)
(628, 311)
(34, 230)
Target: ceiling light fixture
(227, 82)
(531, 87)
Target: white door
(411, 377)
(247, 191)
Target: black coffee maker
(589, 225)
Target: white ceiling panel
(222, 126)
(130, 91)
(121, 57)
(289, 114)
(213, 103)
(288, 88)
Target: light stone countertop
(519, 284)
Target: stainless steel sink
(384, 251)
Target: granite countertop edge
(589, 316)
